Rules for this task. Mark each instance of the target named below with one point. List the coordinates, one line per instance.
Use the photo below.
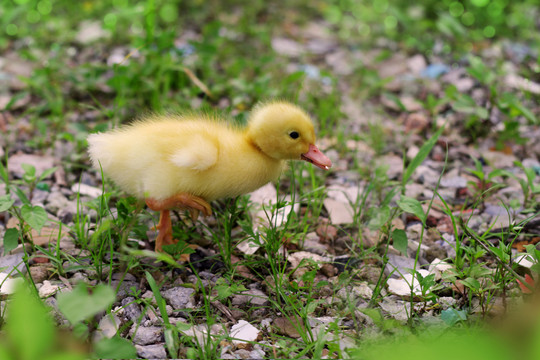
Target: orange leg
(193, 204)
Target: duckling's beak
(317, 158)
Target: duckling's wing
(197, 153)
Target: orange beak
(317, 158)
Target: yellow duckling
(187, 161)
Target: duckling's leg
(164, 228)
(192, 203)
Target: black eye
(294, 135)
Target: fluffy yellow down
(165, 155)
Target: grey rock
(125, 288)
(397, 309)
(180, 297)
(108, 326)
(41, 163)
(350, 293)
(12, 264)
(146, 335)
(39, 197)
(79, 277)
(243, 354)
(426, 175)
(207, 276)
(156, 351)
(497, 210)
(132, 310)
(399, 264)
(454, 182)
(57, 202)
(314, 246)
(252, 297)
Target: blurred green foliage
(420, 24)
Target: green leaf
(452, 316)
(45, 174)
(29, 170)
(379, 217)
(115, 348)
(35, 216)
(159, 299)
(412, 206)
(471, 283)
(11, 240)
(311, 307)
(21, 195)
(528, 114)
(30, 328)
(422, 154)
(5, 203)
(182, 326)
(400, 240)
(79, 304)
(224, 289)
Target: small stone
(395, 165)
(180, 297)
(87, 190)
(146, 335)
(327, 231)
(9, 285)
(156, 351)
(454, 182)
(312, 244)
(329, 270)
(79, 277)
(132, 310)
(416, 64)
(439, 267)
(402, 287)
(287, 47)
(12, 264)
(397, 309)
(296, 258)
(370, 273)
(396, 65)
(340, 212)
(56, 201)
(48, 289)
(41, 163)
(108, 327)
(354, 292)
(39, 272)
(124, 288)
(416, 122)
(243, 332)
(446, 302)
(518, 82)
(399, 264)
(253, 297)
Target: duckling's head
(283, 131)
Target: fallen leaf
(286, 326)
(520, 244)
(524, 288)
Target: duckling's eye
(294, 135)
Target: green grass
(218, 56)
